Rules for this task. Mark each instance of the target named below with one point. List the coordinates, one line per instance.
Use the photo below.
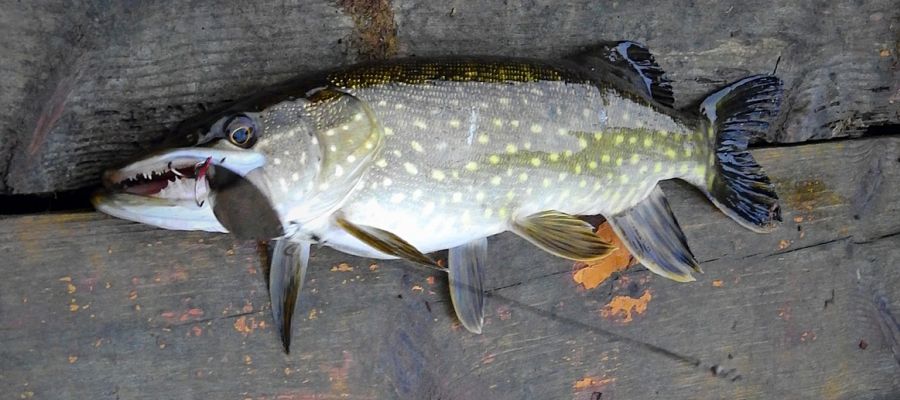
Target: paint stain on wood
(624, 308)
(51, 113)
(591, 275)
(342, 267)
(375, 28)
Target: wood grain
(87, 86)
(94, 307)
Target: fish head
(259, 174)
(239, 169)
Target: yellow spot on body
(546, 182)
(338, 170)
(381, 163)
(387, 182)
(479, 196)
(619, 161)
(457, 197)
(295, 177)
(417, 194)
(438, 175)
(635, 159)
(496, 180)
(632, 140)
(494, 159)
(276, 161)
(577, 169)
(648, 142)
(657, 167)
(624, 179)
(511, 148)
(688, 150)
(416, 146)
(582, 184)
(397, 197)
(388, 131)
(643, 169)
(420, 124)
(523, 177)
(536, 128)
(536, 161)
(567, 153)
(683, 169)
(620, 139)
(330, 132)
(670, 153)
(527, 145)
(454, 123)
(398, 106)
(562, 131)
(582, 142)
(397, 153)
(502, 212)
(472, 166)
(605, 159)
(410, 168)
(700, 170)
(483, 138)
(345, 127)
(626, 116)
(382, 103)
(664, 133)
(351, 158)
(369, 145)
(510, 195)
(503, 100)
(488, 212)
(455, 174)
(514, 123)
(498, 122)
(563, 176)
(592, 165)
(598, 135)
(554, 156)
(466, 218)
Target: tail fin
(736, 184)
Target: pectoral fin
(653, 236)
(562, 235)
(385, 242)
(286, 274)
(466, 282)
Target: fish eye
(241, 131)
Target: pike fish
(404, 158)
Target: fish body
(410, 157)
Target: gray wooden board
(100, 308)
(90, 84)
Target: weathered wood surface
(94, 307)
(89, 84)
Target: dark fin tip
(635, 67)
(738, 112)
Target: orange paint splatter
(430, 280)
(72, 359)
(196, 331)
(590, 382)
(241, 326)
(783, 244)
(626, 307)
(798, 219)
(593, 274)
(417, 288)
(373, 267)
(718, 283)
(342, 267)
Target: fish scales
(461, 158)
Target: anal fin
(385, 242)
(286, 274)
(466, 276)
(562, 235)
(653, 236)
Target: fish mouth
(169, 189)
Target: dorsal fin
(630, 66)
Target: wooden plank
(94, 307)
(88, 86)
